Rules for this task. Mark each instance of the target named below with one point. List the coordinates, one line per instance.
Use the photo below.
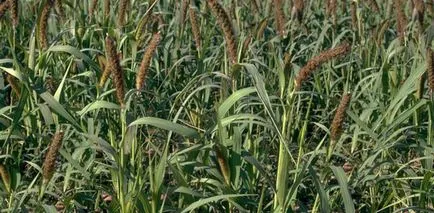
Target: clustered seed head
(338, 120)
(430, 68)
(354, 14)
(195, 27)
(50, 157)
(92, 7)
(374, 6)
(5, 177)
(14, 85)
(3, 7)
(107, 8)
(297, 10)
(418, 11)
(401, 19)
(13, 6)
(122, 11)
(246, 45)
(279, 17)
(146, 61)
(317, 61)
(43, 22)
(183, 12)
(226, 25)
(115, 68)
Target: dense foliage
(216, 106)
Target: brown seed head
(122, 11)
(226, 25)
(43, 22)
(354, 20)
(318, 60)
(279, 17)
(223, 164)
(92, 7)
(50, 158)
(418, 11)
(195, 27)
(14, 85)
(297, 10)
(5, 177)
(13, 6)
(183, 12)
(430, 68)
(115, 68)
(107, 8)
(338, 120)
(146, 61)
(3, 7)
(401, 19)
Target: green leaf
(205, 201)
(342, 180)
(167, 125)
(58, 108)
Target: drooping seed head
(50, 157)
(226, 25)
(318, 60)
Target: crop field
(216, 106)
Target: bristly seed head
(338, 120)
(122, 12)
(279, 17)
(50, 158)
(114, 65)
(13, 5)
(317, 61)
(195, 27)
(43, 22)
(226, 25)
(430, 68)
(146, 61)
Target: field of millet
(216, 106)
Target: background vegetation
(216, 106)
